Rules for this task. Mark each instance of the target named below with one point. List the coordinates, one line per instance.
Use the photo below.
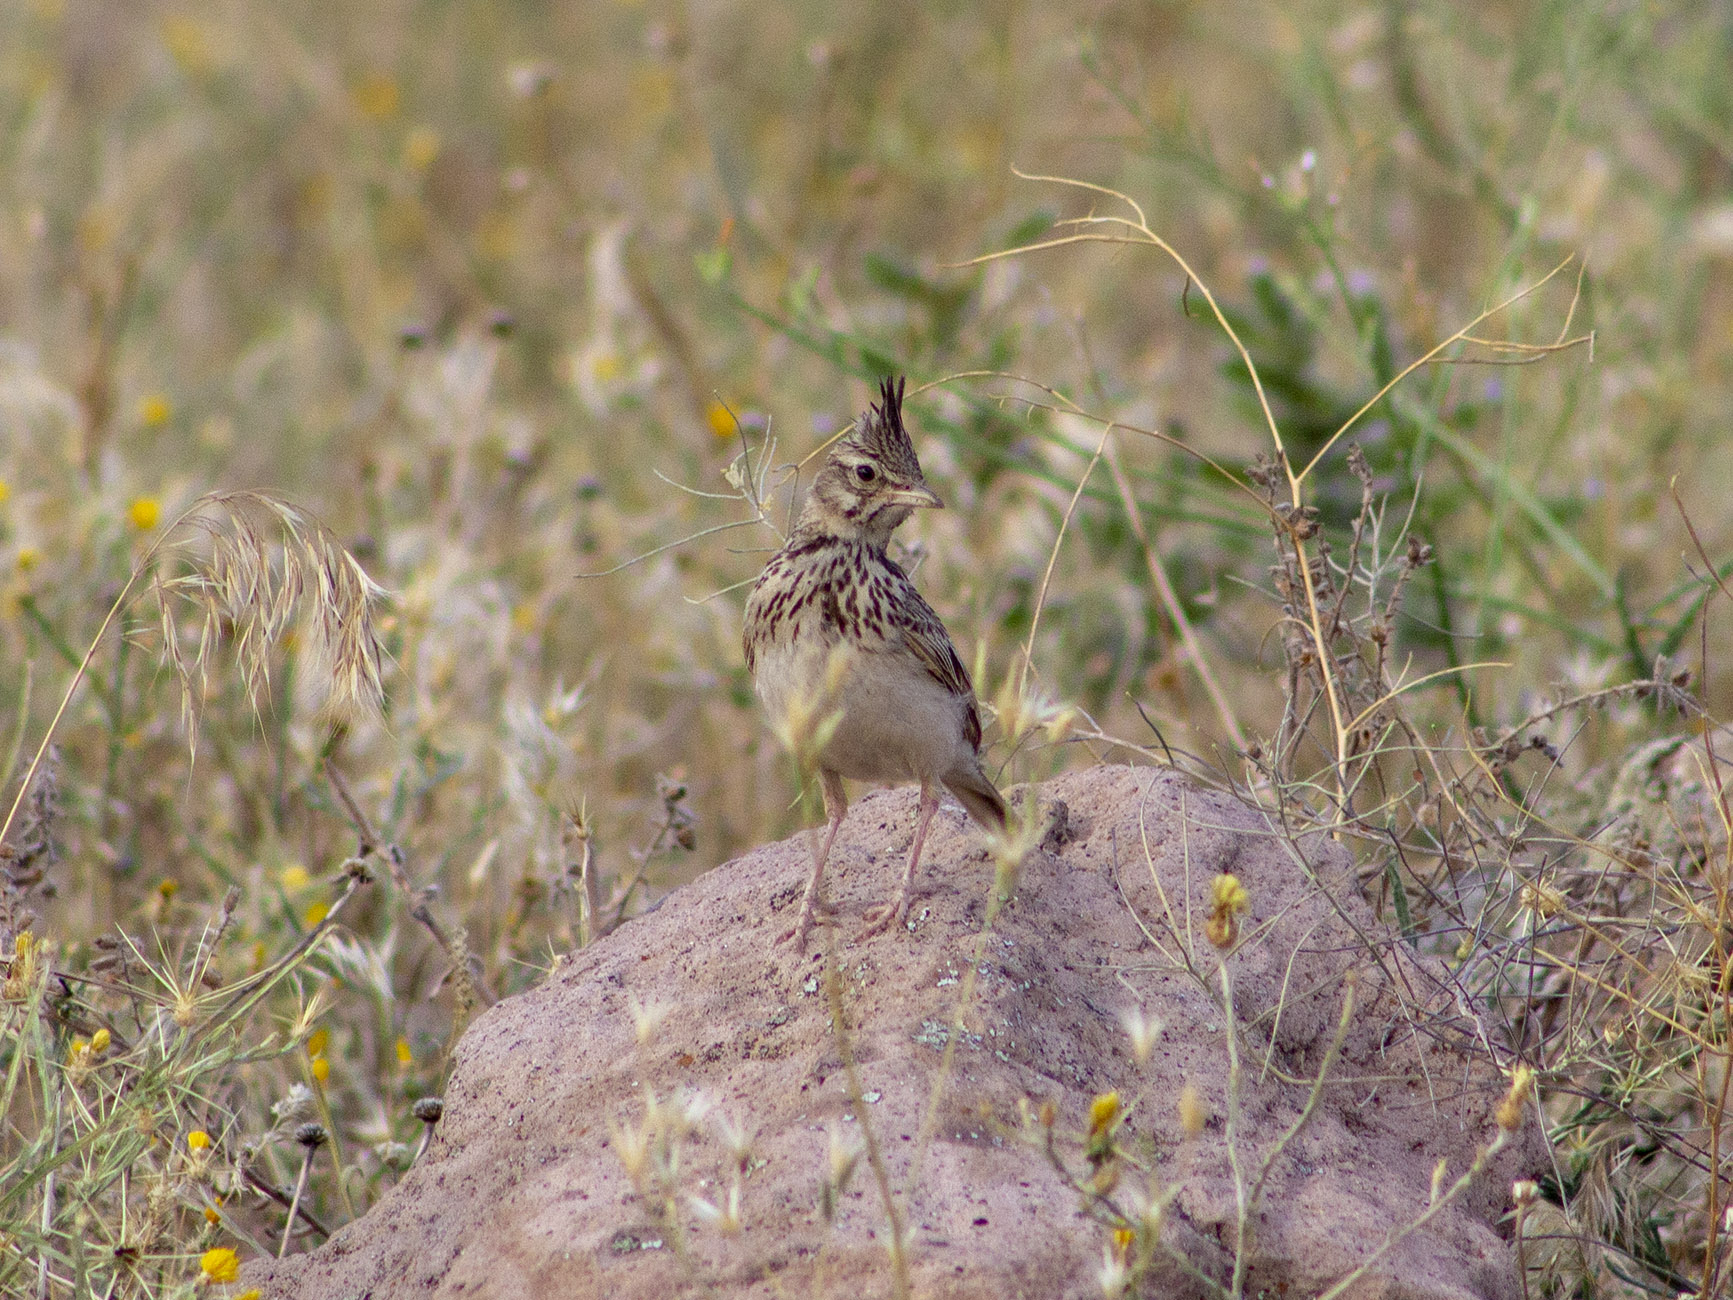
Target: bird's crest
(879, 433)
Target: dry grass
(473, 287)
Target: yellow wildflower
(220, 1265)
(198, 1140)
(5, 491)
(154, 410)
(187, 43)
(295, 877)
(321, 1068)
(376, 95)
(404, 1056)
(720, 419)
(421, 147)
(143, 513)
(28, 558)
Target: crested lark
(835, 629)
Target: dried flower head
(1510, 1110)
(1228, 899)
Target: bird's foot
(812, 912)
(880, 919)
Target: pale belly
(898, 724)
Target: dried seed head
(647, 1018)
(1509, 1114)
(734, 1138)
(631, 1144)
(844, 1156)
(429, 1110)
(1143, 1031)
(311, 1135)
(1541, 898)
(1193, 1113)
(1114, 1276)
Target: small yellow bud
(99, 1042)
(1228, 898)
(1102, 1112)
(404, 1056)
(1227, 892)
(321, 1068)
(198, 1140)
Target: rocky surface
(525, 1190)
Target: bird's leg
(836, 808)
(896, 911)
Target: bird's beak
(917, 496)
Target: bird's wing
(924, 636)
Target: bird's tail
(979, 797)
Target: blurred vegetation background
(499, 291)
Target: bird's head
(871, 481)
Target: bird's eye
(865, 473)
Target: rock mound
(525, 1190)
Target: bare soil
(523, 1192)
